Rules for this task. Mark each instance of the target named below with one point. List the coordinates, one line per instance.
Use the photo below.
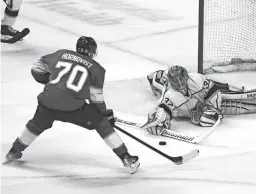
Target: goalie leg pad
(236, 107)
(214, 101)
(239, 95)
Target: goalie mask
(178, 77)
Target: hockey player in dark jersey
(73, 93)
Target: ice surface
(69, 159)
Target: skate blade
(8, 161)
(133, 168)
(13, 162)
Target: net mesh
(229, 41)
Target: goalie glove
(210, 117)
(158, 120)
(204, 115)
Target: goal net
(227, 36)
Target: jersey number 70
(70, 81)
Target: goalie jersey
(193, 103)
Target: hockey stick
(177, 160)
(176, 135)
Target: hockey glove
(110, 115)
(210, 117)
(196, 111)
(158, 120)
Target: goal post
(226, 36)
(200, 36)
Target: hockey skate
(132, 162)
(10, 35)
(12, 155)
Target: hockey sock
(9, 16)
(111, 138)
(24, 140)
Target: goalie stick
(176, 159)
(176, 135)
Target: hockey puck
(162, 142)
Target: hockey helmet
(86, 46)
(178, 77)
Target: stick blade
(187, 157)
(6, 161)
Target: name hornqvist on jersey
(75, 58)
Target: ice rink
(135, 38)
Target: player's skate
(132, 162)
(10, 35)
(7, 32)
(12, 155)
